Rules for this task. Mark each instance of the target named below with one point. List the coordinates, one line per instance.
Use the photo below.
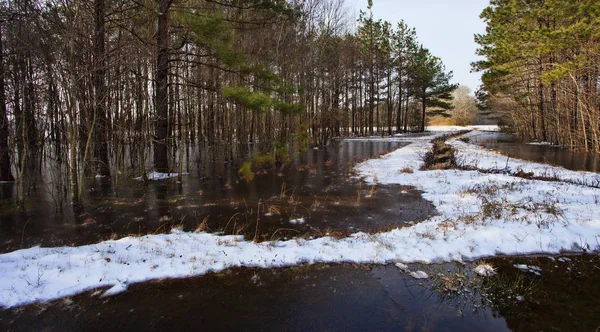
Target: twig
(23, 232)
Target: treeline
(111, 86)
(542, 62)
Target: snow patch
(529, 268)
(114, 290)
(156, 176)
(298, 221)
(402, 267)
(419, 275)
(485, 270)
(460, 128)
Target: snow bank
(479, 215)
(459, 128)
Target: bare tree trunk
(5, 173)
(161, 160)
(399, 112)
(101, 146)
(389, 102)
(423, 113)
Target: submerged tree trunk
(161, 160)
(5, 173)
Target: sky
(445, 27)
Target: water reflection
(318, 186)
(304, 298)
(511, 146)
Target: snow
(528, 267)
(485, 270)
(460, 128)
(479, 215)
(541, 143)
(419, 275)
(298, 221)
(116, 289)
(156, 176)
(402, 267)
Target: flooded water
(512, 147)
(564, 297)
(306, 298)
(318, 188)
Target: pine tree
(431, 85)
(405, 45)
(543, 57)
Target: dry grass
(371, 191)
(273, 210)
(203, 226)
(451, 282)
(407, 170)
(358, 192)
(317, 203)
(330, 232)
(282, 191)
(441, 156)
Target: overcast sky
(445, 27)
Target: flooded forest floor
(355, 236)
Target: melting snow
(156, 176)
(485, 270)
(402, 267)
(523, 223)
(419, 275)
(298, 221)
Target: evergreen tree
(542, 56)
(431, 85)
(405, 45)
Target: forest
(123, 87)
(256, 161)
(126, 87)
(541, 68)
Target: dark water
(565, 297)
(319, 187)
(509, 145)
(316, 298)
